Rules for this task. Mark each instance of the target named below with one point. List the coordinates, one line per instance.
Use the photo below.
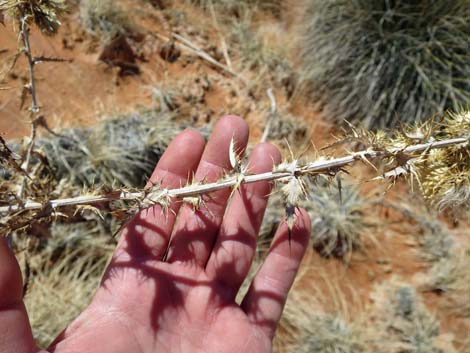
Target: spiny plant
(45, 15)
(404, 153)
(374, 61)
(446, 182)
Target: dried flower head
(445, 177)
(44, 13)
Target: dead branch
(284, 171)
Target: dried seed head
(156, 196)
(294, 190)
(44, 13)
(446, 172)
(195, 201)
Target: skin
(172, 282)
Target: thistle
(43, 13)
(397, 154)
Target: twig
(41, 59)
(187, 45)
(31, 88)
(24, 29)
(155, 195)
(27, 50)
(222, 39)
(271, 116)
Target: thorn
(290, 220)
(232, 154)
(338, 180)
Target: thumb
(15, 330)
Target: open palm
(172, 282)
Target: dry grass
(339, 222)
(318, 315)
(120, 151)
(105, 19)
(380, 62)
(63, 272)
(435, 239)
(338, 216)
(254, 51)
(451, 276)
(237, 8)
(399, 322)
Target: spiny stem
(24, 29)
(31, 62)
(158, 196)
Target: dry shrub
(375, 62)
(399, 322)
(339, 222)
(105, 19)
(451, 275)
(287, 127)
(436, 246)
(237, 8)
(435, 239)
(328, 334)
(254, 53)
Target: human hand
(172, 281)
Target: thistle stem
(25, 31)
(149, 197)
